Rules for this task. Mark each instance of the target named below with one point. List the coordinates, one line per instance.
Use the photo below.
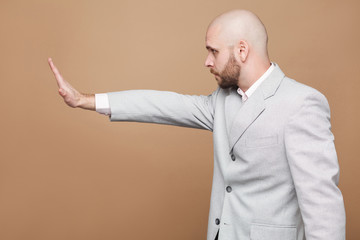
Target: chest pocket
(264, 141)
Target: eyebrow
(211, 48)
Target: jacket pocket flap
(267, 232)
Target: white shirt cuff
(102, 103)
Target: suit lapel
(247, 114)
(254, 106)
(233, 103)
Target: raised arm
(163, 107)
(149, 106)
(71, 96)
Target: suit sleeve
(163, 107)
(314, 167)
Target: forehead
(213, 36)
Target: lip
(213, 72)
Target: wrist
(86, 101)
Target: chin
(219, 82)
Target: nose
(209, 61)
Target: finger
(53, 67)
(56, 72)
(62, 92)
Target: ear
(243, 50)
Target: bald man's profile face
(221, 59)
(236, 41)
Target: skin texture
(237, 55)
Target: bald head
(236, 25)
(237, 49)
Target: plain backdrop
(72, 174)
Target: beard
(229, 77)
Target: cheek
(220, 67)
(222, 61)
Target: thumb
(62, 92)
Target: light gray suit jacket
(276, 171)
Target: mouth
(213, 72)
(216, 75)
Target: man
(275, 166)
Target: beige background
(71, 174)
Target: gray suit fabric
(276, 151)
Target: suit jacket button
(233, 157)
(217, 221)
(228, 189)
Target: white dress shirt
(102, 100)
(102, 103)
(251, 90)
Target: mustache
(214, 72)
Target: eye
(213, 51)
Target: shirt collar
(255, 85)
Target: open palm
(70, 95)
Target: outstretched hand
(70, 95)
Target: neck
(252, 71)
